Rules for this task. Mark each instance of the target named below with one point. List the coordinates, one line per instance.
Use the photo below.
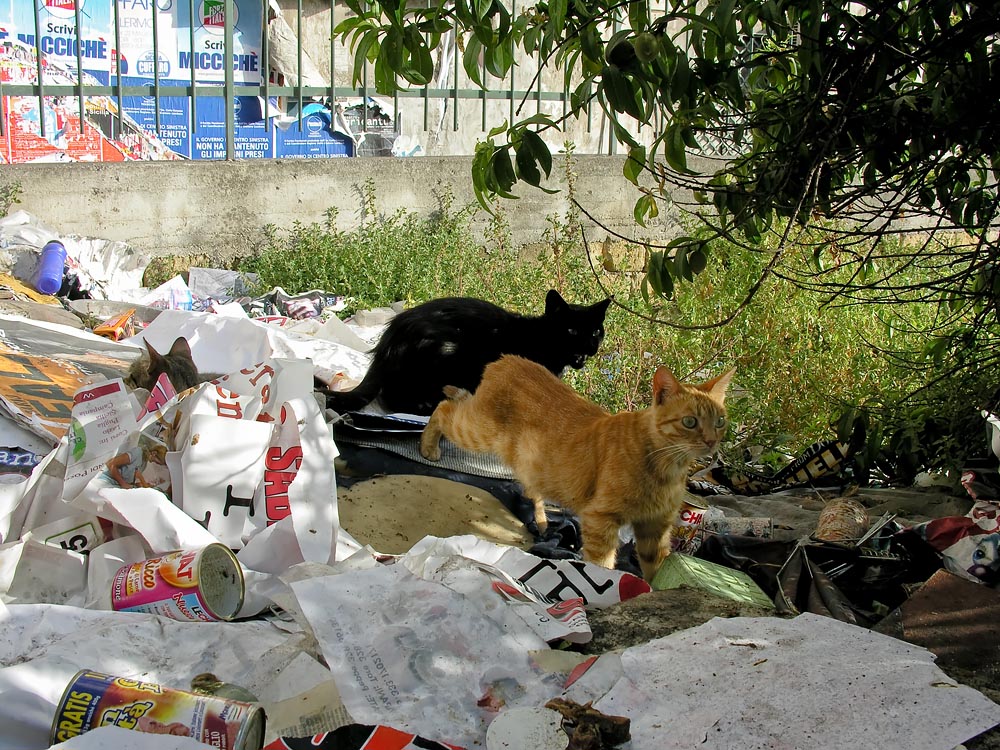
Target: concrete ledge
(219, 208)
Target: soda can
(95, 699)
(685, 538)
(202, 585)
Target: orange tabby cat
(610, 469)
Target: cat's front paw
(430, 449)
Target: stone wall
(219, 208)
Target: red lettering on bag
(277, 480)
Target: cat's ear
(717, 386)
(602, 306)
(180, 348)
(554, 303)
(665, 385)
(154, 356)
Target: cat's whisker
(670, 451)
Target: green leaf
(502, 169)
(845, 425)
(659, 275)
(674, 150)
(654, 272)
(557, 17)
(470, 61)
(527, 169)
(681, 270)
(420, 70)
(645, 208)
(619, 92)
(634, 164)
(385, 75)
(817, 259)
(480, 173)
(590, 44)
(482, 8)
(638, 15)
(502, 128)
(368, 43)
(539, 150)
(697, 260)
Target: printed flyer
(188, 48)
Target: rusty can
(841, 520)
(202, 585)
(685, 537)
(95, 699)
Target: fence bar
(193, 117)
(454, 100)
(156, 62)
(38, 66)
(211, 90)
(298, 58)
(79, 67)
(513, 14)
(118, 71)
(265, 65)
(230, 104)
(333, 62)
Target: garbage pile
(176, 572)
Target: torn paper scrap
(418, 656)
(811, 681)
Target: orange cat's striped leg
(430, 438)
(600, 538)
(440, 423)
(652, 543)
(541, 520)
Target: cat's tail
(357, 398)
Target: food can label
(205, 585)
(94, 699)
(685, 537)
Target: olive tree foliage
(848, 115)
(832, 125)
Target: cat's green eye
(720, 422)
(689, 422)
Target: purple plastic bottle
(49, 273)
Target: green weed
(800, 364)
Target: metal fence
(112, 116)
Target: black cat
(450, 341)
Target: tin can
(95, 699)
(205, 584)
(685, 537)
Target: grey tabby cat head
(177, 364)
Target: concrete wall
(219, 208)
